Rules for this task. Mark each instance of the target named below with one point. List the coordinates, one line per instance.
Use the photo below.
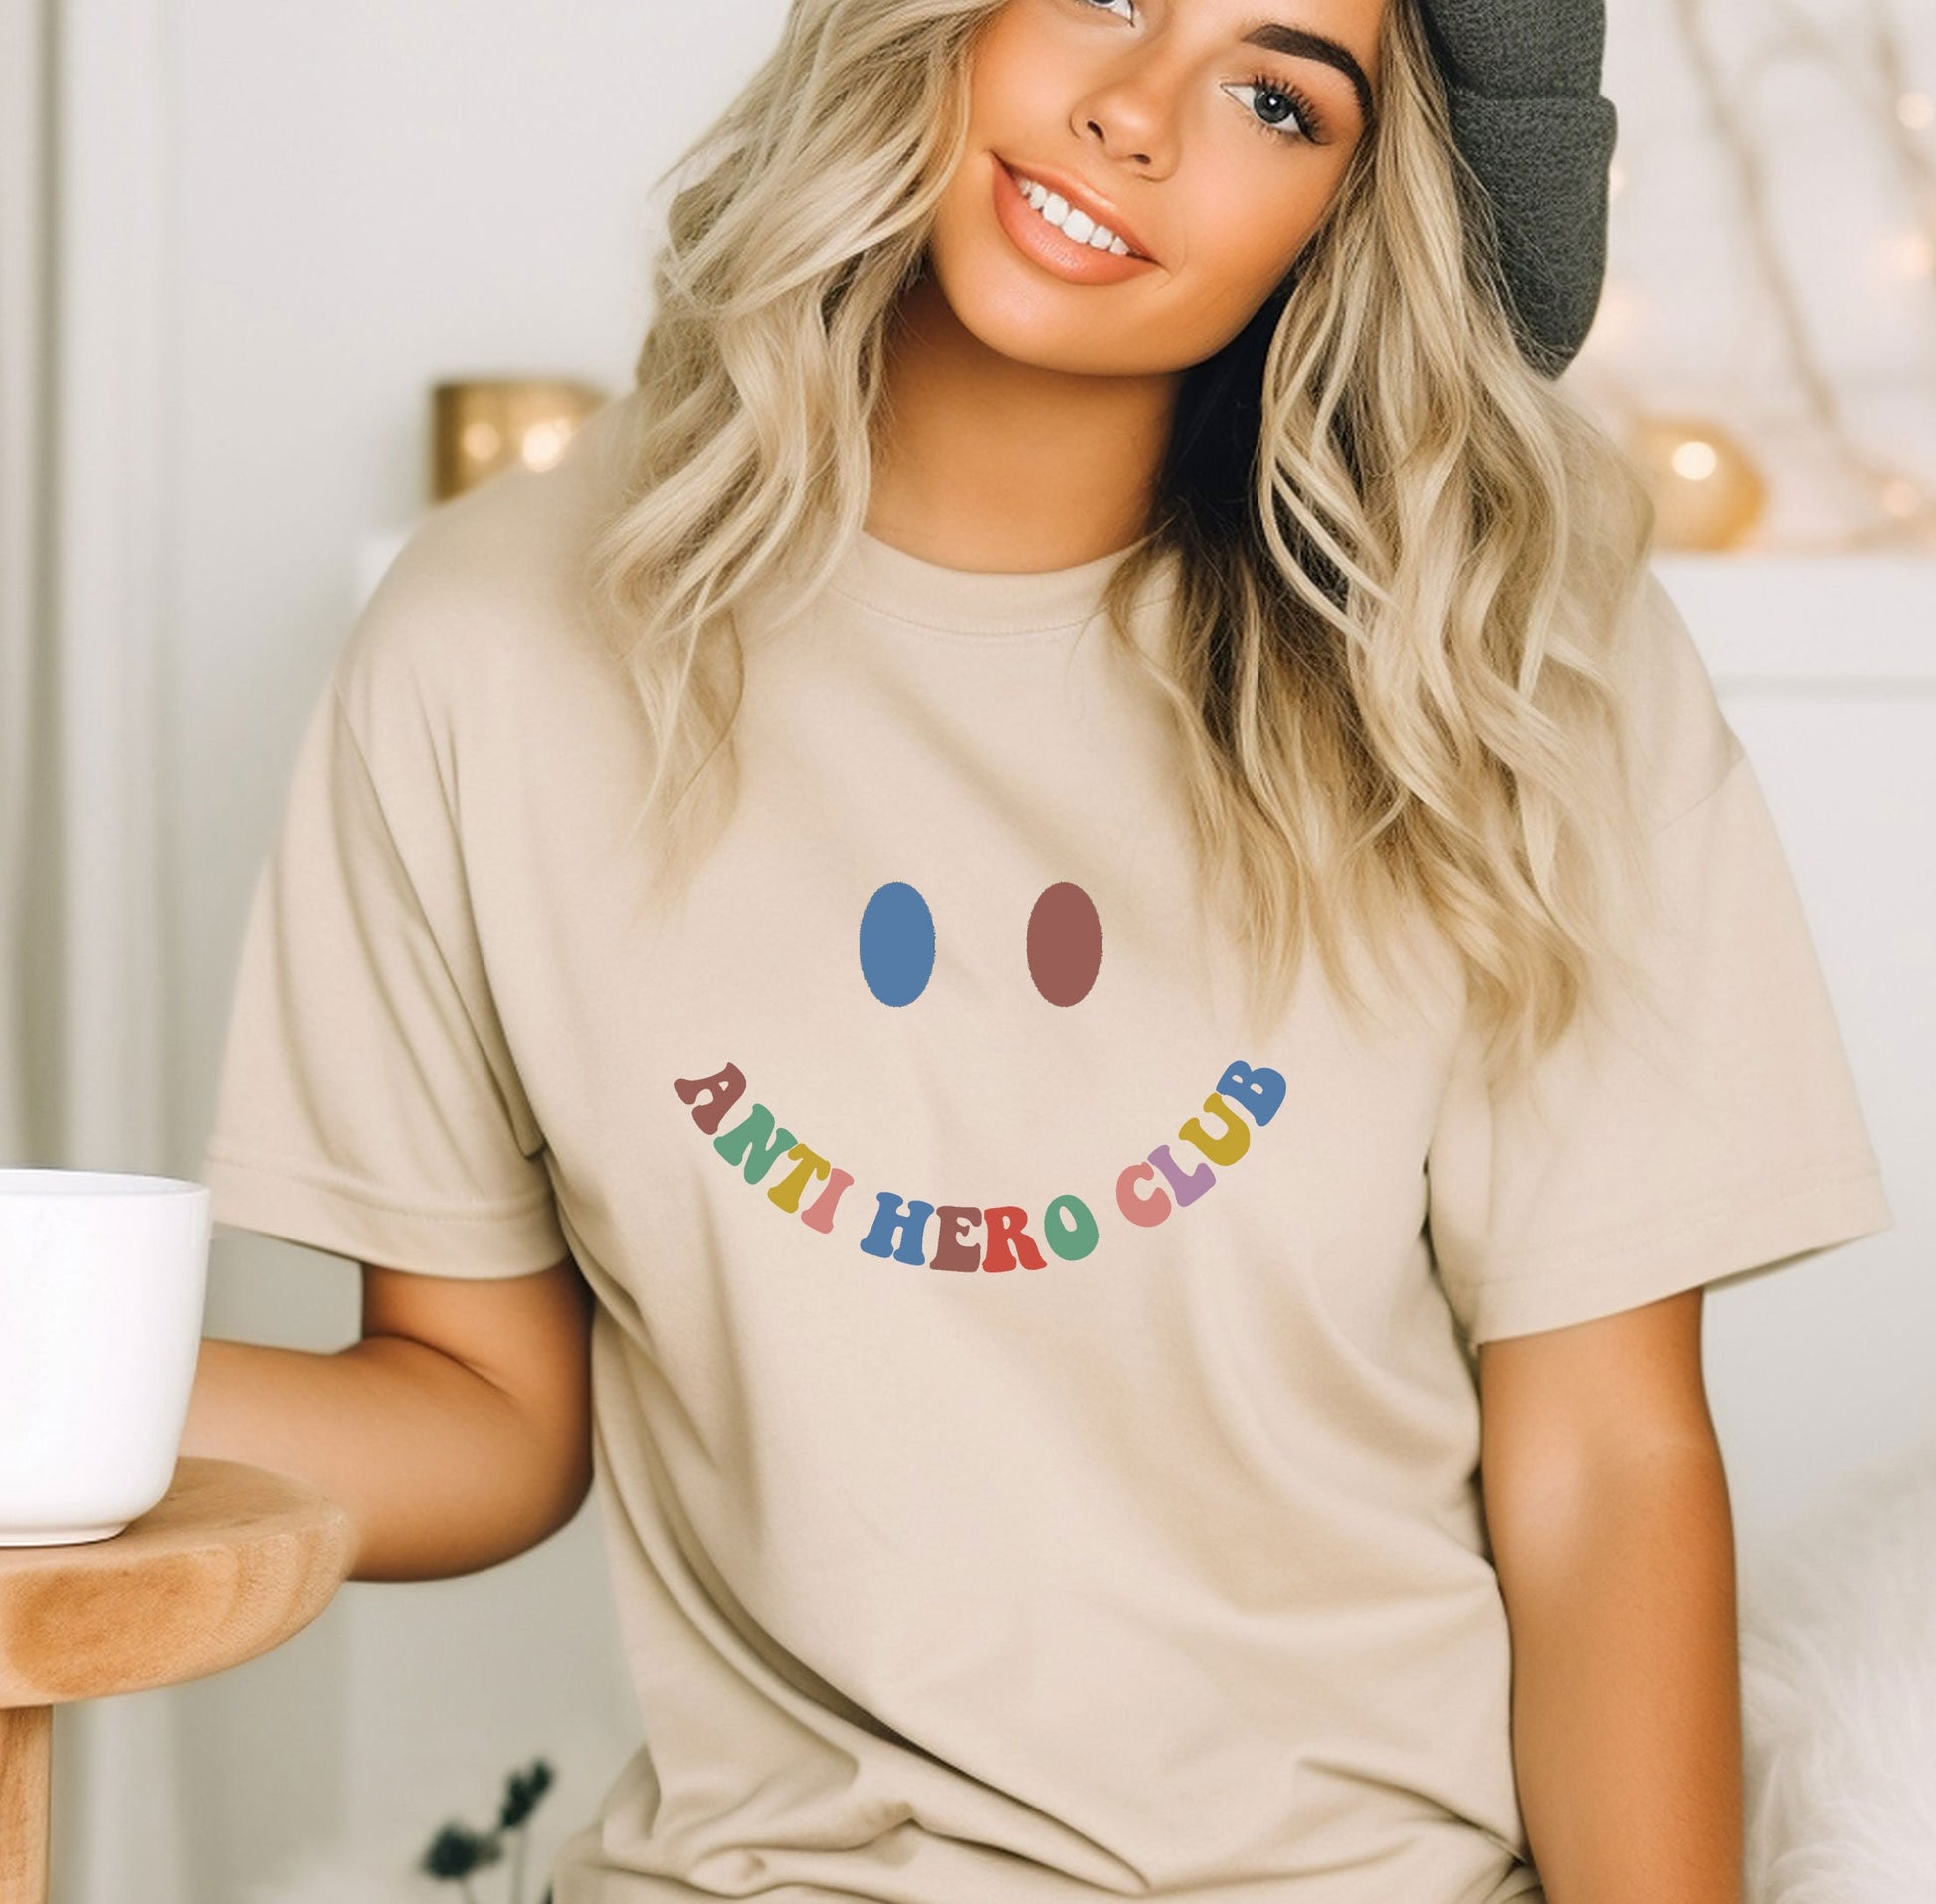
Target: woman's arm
(1612, 1532)
(456, 1433)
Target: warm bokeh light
(1914, 255)
(481, 425)
(1902, 499)
(545, 444)
(1696, 460)
(1707, 491)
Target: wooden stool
(232, 1560)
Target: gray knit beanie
(1522, 81)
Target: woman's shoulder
(1683, 745)
(488, 589)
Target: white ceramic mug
(103, 1277)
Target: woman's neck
(985, 464)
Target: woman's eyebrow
(1301, 44)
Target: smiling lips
(1086, 210)
(1064, 229)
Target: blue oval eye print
(896, 943)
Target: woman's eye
(1284, 117)
(1093, 8)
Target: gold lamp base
(481, 425)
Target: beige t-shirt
(1036, 1425)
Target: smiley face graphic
(1064, 944)
(1063, 948)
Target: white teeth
(1058, 211)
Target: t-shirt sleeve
(367, 1103)
(1705, 1126)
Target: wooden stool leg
(26, 1798)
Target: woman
(1071, 887)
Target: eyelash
(1310, 122)
(1310, 125)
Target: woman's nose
(1130, 116)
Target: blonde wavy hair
(1404, 557)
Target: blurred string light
(1707, 493)
(1694, 460)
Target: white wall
(369, 197)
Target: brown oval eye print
(1064, 943)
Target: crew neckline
(926, 595)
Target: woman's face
(1209, 134)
